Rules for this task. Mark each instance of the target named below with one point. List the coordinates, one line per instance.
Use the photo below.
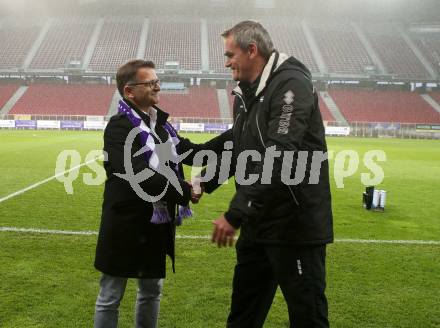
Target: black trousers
(260, 269)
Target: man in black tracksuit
(284, 226)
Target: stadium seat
(16, 39)
(174, 39)
(117, 43)
(215, 43)
(62, 99)
(6, 92)
(396, 55)
(288, 37)
(384, 106)
(196, 101)
(66, 39)
(341, 48)
(325, 112)
(429, 44)
(435, 96)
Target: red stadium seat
(325, 112)
(435, 96)
(6, 92)
(59, 99)
(384, 106)
(199, 102)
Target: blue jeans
(110, 296)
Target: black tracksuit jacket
(281, 111)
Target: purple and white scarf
(160, 209)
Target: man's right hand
(197, 190)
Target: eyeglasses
(151, 84)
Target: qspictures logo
(289, 166)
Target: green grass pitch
(48, 280)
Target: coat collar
(162, 116)
(274, 62)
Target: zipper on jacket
(236, 119)
(261, 139)
(264, 145)
(244, 107)
(242, 100)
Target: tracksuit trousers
(260, 269)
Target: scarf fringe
(160, 216)
(184, 212)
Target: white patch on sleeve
(289, 97)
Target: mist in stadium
(375, 75)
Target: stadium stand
(435, 96)
(215, 44)
(341, 47)
(6, 92)
(288, 37)
(66, 40)
(325, 112)
(176, 39)
(384, 106)
(118, 42)
(202, 102)
(179, 38)
(193, 102)
(429, 44)
(16, 39)
(61, 99)
(396, 55)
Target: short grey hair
(249, 31)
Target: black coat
(129, 245)
(281, 111)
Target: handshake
(223, 233)
(197, 189)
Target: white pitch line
(193, 237)
(47, 231)
(35, 185)
(178, 236)
(395, 241)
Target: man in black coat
(278, 136)
(130, 243)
